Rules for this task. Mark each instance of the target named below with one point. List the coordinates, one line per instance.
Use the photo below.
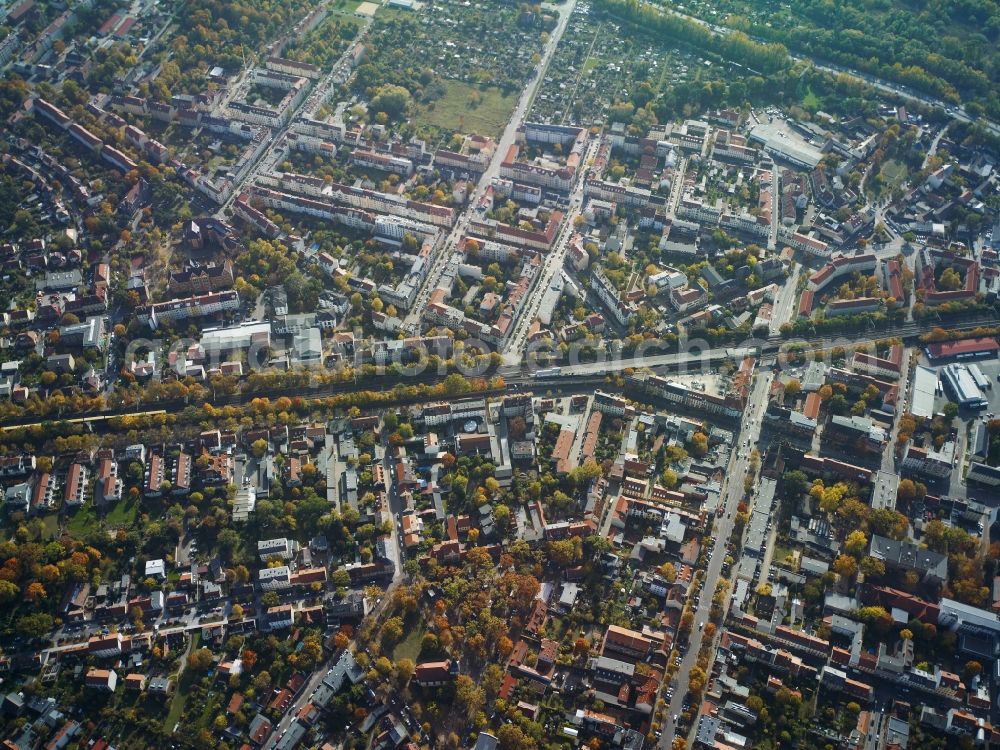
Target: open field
(455, 111)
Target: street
(732, 493)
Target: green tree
(270, 599)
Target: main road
(732, 494)
(507, 139)
(552, 261)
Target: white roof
(155, 568)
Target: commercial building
(925, 381)
(962, 389)
(236, 338)
(965, 349)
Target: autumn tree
(512, 737)
(856, 543)
(35, 592)
(249, 657)
(392, 631)
(405, 669)
(971, 669)
(667, 571)
(845, 566)
(469, 697)
(699, 444)
(697, 679)
(200, 660)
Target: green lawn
(182, 688)
(893, 172)
(409, 647)
(455, 110)
(589, 64)
(345, 6)
(50, 523)
(811, 102)
(780, 553)
(123, 514)
(83, 521)
(177, 703)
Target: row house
(274, 579)
(534, 239)
(43, 493)
(198, 278)
(383, 162)
(293, 67)
(366, 200)
(83, 136)
(887, 368)
(627, 195)
(75, 488)
(936, 464)
(108, 487)
(608, 294)
(450, 161)
(181, 475)
(841, 267)
(191, 307)
(155, 475)
(803, 242)
(729, 406)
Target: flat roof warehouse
(924, 389)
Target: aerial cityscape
(480, 375)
